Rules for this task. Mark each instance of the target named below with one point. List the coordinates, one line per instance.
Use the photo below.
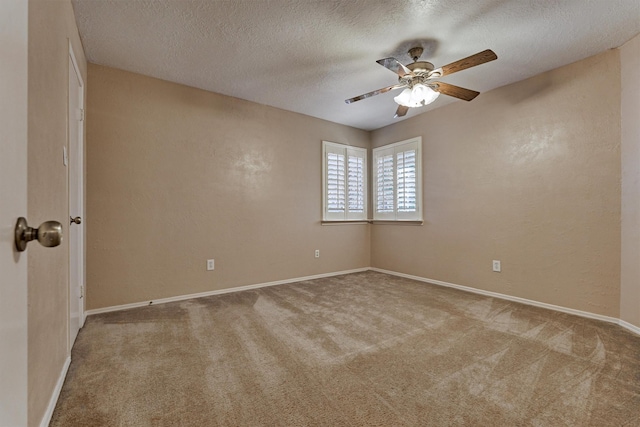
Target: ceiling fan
(418, 80)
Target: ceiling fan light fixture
(418, 96)
(417, 79)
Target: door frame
(79, 169)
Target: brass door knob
(49, 234)
(76, 220)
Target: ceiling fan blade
(468, 62)
(395, 66)
(401, 111)
(455, 91)
(374, 93)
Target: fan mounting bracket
(415, 53)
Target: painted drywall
(177, 175)
(51, 26)
(630, 111)
(13, 204)
(528, 174)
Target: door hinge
(81, 291)
(81, 114)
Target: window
(396, 184)
(344, 182)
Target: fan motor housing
(421, 72)
(420, 67)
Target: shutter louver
(356, 184)
(406, 172)
(385, 185)
(335, 183)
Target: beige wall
(51, 25)
(630, 273)
(13, 204)
(528, 174)
(177, 175)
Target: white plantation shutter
(344, 182)
(335, 183)
(397, 184)
(356, 183)
(385, 188)
(406, 166)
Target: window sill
(397, 222)
(345, 221)
(372, 221)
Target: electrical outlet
(317, 253)
(210, 264)
(496, 266)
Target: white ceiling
(309, 56)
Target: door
(76, 211)
(13, 204)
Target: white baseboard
(505, 297)
(219, 292)
(56, 393)
(534, 303)
(629, 326)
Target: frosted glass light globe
(404, 98)
(423, 95)
(418, 96)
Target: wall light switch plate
(496, 266)
(210, 264)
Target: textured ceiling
(309, 56)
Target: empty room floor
(353, 350)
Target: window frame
(393, 150)
(346, 150)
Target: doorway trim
(79, 158)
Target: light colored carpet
(364, 349)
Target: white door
(13, 204)
(76, 229)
